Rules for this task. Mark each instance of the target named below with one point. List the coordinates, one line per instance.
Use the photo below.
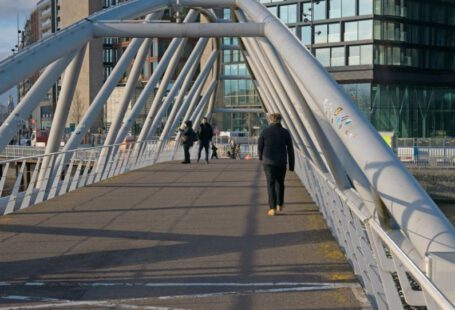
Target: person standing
(214, 153)
(205, 134)
(187, 138)
(274, 149)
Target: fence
(17, 151)
(426, 156)
(42, 177)
(392, 278)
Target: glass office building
(396, 58)
(236, 92)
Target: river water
(449, 210)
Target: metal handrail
(83, 149)
(423, 280)
(372, 226)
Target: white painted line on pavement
(260, 291)
(184, 284)
(60, 304)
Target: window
(334, 32)
(235, 56)
(323, 55)
(348, 8)
(350, 31)
(337, 58)
(226, 56)
(366, 54)
(365, 7)
(227, 70)
(365, 30)
(288, 13)
(227, 14)
(306, 12)
(451, 14)
(293, 30)
(361, 94)
(306, 35)
(320, 34)
(335, 8)
(273, 10)
(319, 10)
(361, 30)
(227, 88)
(354, 56)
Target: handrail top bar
(76, 150)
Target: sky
(9, 11)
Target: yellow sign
(388, 137)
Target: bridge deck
(177, 236)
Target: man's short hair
(275, 118)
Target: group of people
(275, 150)
(204, 135)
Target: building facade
(91, 77)
(51, 16)
(42, 22)
(396, 58)
(236, 95)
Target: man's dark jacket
(275, 146)
(205, 133)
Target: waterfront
(449, 210)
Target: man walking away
(205, 134)
(274, 149)
(187, 138)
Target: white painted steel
(100, 100)
(190, 30)
(23, 110)
(63, 108)
(186, 74)
(170, 70)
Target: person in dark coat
(205, 135)
(274, 149)
(187, 138)
(214, 152)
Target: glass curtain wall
(403, 33)
(408, 110)
(237, 89)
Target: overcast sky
(9, 11)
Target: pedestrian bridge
(400, 246)
(176, 236)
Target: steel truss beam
(162, 30)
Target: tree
(77, 108)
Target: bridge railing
(18, 151)
(384, 261)
(30, 180)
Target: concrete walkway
(175, 236)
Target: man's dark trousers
(205, 145)
(186, 151)
(275, 184)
